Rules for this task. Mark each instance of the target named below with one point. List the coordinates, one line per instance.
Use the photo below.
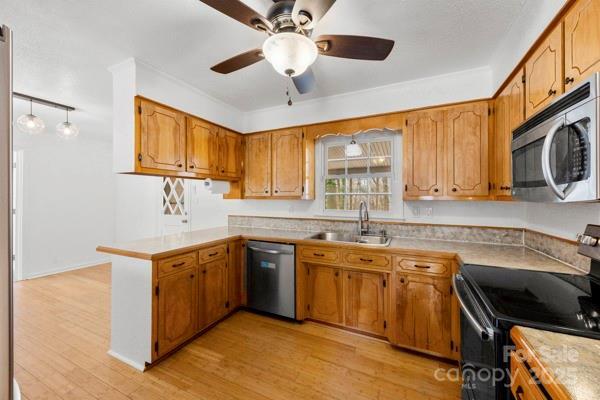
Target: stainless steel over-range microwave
(555, 152)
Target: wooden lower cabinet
(364, 300)
(324, 294)
(421, 313)
(212, 292)
(177, 309)
(234, 274)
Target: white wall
(563, 220)
(448, 88)
(68, 205)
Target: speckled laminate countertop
(573, 361)
(508, 256)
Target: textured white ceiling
(63, 47)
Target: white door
(174, 216)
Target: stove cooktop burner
(547, 300)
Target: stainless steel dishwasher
(271, 278)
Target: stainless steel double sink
(370, 240)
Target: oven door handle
(546, 168)
(485, 333)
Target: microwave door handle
(486, 334)
(546, 168)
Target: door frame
(17, 214)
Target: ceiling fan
(289, 47)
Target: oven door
(556, 161)
(479, 344)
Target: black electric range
(494, 299)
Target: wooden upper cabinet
(509, 110)
(258, 165)
(421, 313)
(324, 294)
(544, 73)
(287, 162)
(467, 150)
(582, 41)
(424, 153)
(364, 301)
(213, 292)
(201, 147)
(177, 309)
(230, 154)
(161, 137)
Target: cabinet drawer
(319, 254)
(212, 253)
(176, 263)
(424, 266)
(522, 385)
(360, 259)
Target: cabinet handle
(401, 280)
(436, 190)
(179, 264)
(276, 191)
(223, 171)
(423, 266)
(349, 276)
(179, 165)
(192, 276)
(191, 167)
(266, 190)
(454, 189)
(213, 254)
(366, 259)
(551, 92)
(569, 80)
(318, 254)
(337, 273)
(204, 271)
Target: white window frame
(396, 205)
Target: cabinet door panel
(544, 73)
(201, 147)
(424, 154)
(230, 145)
(364, 301)
(467, 128)
(325, 294)
(421, 308)
(177, 309)
(234, 275)
(213, 292)
(287, 163)
(582, 41)
(258, 165)
(162, 137)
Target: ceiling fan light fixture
(290, 53)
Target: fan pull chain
(287, 93)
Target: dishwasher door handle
(269, 251)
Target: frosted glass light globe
(67, 130)
(31, 124)
(290, 53)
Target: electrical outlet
(416, 211)
(428, 211)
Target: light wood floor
(62, 335)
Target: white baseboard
(138, 366)
(72, 267)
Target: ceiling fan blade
(240, 12)
(354, 47)
(240, 61)
(306, 82)
(315, 8)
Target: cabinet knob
(401, 280)
(454, 189)
(266, 190)
(337, 273)
(551, 92)
(191, 167)
(179, 165)
(436, 190)
(192, 276)
(569, 80)
(276, 191)
(223, 171)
